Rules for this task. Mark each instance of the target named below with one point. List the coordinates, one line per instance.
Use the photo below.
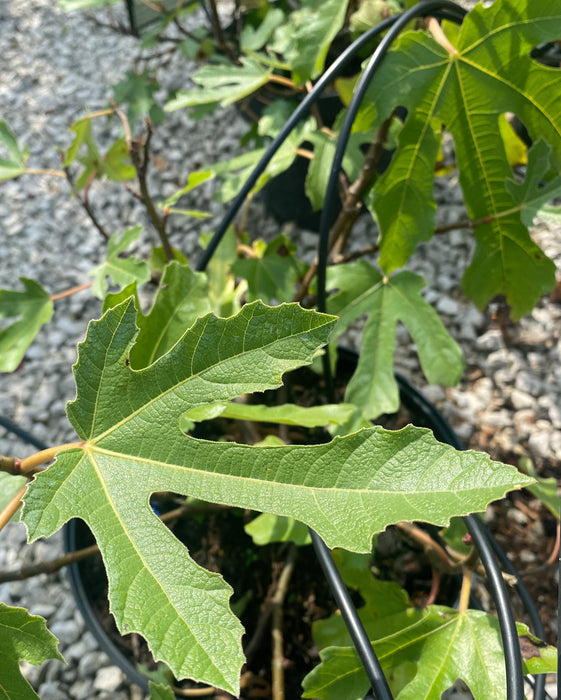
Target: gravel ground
(54, 65)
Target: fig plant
(144, 379)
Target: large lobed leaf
(424, 652)
(23, 637)
(132, 447)
(29, 310)
(468, 88)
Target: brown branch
(69, 292)
(54, 565)
(139, 153)
(219, 34)
(277, 663)
(84, 203)
(352, 203)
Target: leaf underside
(133, 447)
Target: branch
(352, 203)
(69, 292)
(85, 204)
(11, 508)
(140, 157)
(277, 665)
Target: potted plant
(145, 379)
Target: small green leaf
(31, 309)
(193, 180)
(14, 165)
(120, 270)
(267, 528)
(137, 91)
(319, 169)
(224, 84)
(272, 273)
(253, 39)
(314, 26)
(9, 486)
(128, 420)
(544, 489)
(160, 692)
(287, 414)
(23, 637)
(363, 289)
(117, 162)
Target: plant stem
(11, 508)
(43, 171)
(439, 36)
(282, 80)
(84, 203)
(219, 33)
(140, 157)
(39, 458)
(466, 589)
(277, 667)
(69, 292)
(54, 565)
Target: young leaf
(315, 25)
(273, 271)
(160, 692)
(23, 637)
(544, 489)
(267, 528)
(133, 447)
(224, 84)
(443, 643)
(363, 289)
(286, 414)
(253, 39)
(531, 194)
(468, 88)
(31, 309)
(120, 270)
(9, 486)
(14, 165)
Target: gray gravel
(53, 66)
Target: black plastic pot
(77, 535)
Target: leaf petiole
(11, 508)
(39, 458)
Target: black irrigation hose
(330, 74)
(353, 623)
(14, 428)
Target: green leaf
(132, 447)
(92, 160)
(160, 692)
(117, 163)
(531, 194)
(490, 73)
(314, 25)
(287, 414)
(443, 643)
(363, 289)
(23, 637)
(70, 5)
(193, 180)
(253, 39)
(267, 528)
(31, 309)
(224, 84)
(181, 298)
(544, 489)
(14, 165)
(9, 486)
(319, 169)
(137, 91)
(120, 270)
(273, 272)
